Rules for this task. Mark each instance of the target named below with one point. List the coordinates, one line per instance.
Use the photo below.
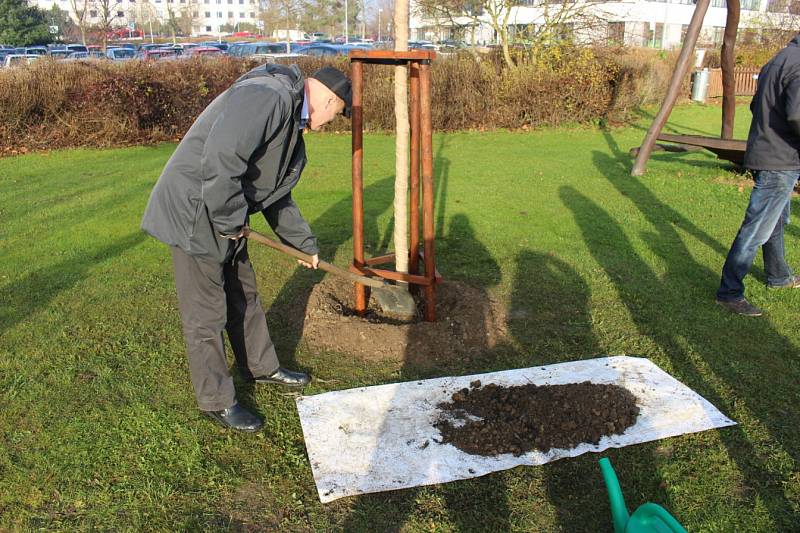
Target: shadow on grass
(727, 359)
(26, 296)
(470, 505)
(724, 358)
(286, 315)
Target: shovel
(392, 300)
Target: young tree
(108, 12)
(172, 23)
(80, 8)
(22, 25)
(401, 140)
(188, 17)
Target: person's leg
(246, 322)
(766, 207)
(778, 271)
(201, 300)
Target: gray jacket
(243, 154)
(774, 139)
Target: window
(241, 15)
(230, 14)
(208, 14)
(219, 14)
(195, 14)
(93, 13)
(208, 28)
(252, 15)
(616, 33)
(121, 14)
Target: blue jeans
(767, 214)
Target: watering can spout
(619, 513)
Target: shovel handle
(324, 265)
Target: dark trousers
(212, 297)
(767, 214)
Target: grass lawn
(99, 429)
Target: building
(652, 23)
(204, 17)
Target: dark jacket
(774, 139)
(243, 154)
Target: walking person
(243, 155)
(773, 155)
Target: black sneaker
(740, 307)
(236, 417)
(793, 283)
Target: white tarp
(374, 439)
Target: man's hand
(243, 233)
(313, 264)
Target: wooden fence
(746, 79)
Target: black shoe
(793, 283)
(740, 307)
(236, 417)
(285, 377)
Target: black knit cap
(335, 80)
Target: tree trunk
(728, 61)
(506, 51)
(401, 140)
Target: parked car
(151, 46)
(203, 51)
(176, 49)
(319, 50)
(36, 50)
(120, 54)
(85, 56)
(59, 54)
(222, 45)
(16, 60)
(76, 48)
(156, 54)
(236, 49)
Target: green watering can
(648, 518)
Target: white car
(14, 60)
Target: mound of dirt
(493, 420)
(468, 322)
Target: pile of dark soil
(469, 322)
(493, 420)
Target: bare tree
(552, 20)
(775, 26)
(80, 8)
(188, 17)
(108, 12)
(143, 12)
